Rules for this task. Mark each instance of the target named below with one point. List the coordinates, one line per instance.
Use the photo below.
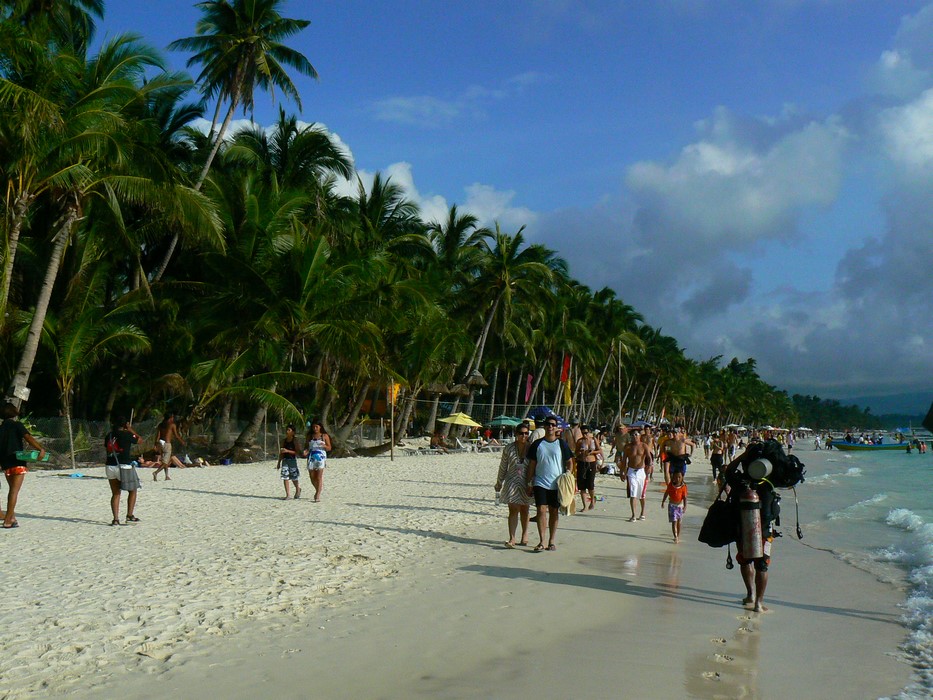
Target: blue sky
(754, 177)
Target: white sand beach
(397, 585)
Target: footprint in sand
(718, 640)
(711, 675)
(723, 658)
(744, 617)
(744, 630)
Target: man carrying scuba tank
(758, 513)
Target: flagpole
(392, 423)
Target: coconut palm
(238, 45)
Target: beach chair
(459, 448)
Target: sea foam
(918, 616)
(831, 478)
(851, 511)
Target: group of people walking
(317, 446)
(540, 466)
(120, 465)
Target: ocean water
(875, 511)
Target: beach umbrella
(640, 424)
(460, 390)
(460, 419)
(437, 388)
(505, 422)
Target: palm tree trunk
(20, 209)
(222, 422)
(432, 417)
(518, 389)
(197, 185)
(599, 386)
(245, 438)
(28, 358)
(71, 437)
(344, 431)
(492, 394)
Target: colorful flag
(565, 371)
(528, 388)
(567, 397)
(393, 392)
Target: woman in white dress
(512, 487)
(316, 449)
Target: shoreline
(405, 557)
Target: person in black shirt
(12, 435)
(120, 470)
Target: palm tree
(85, 335)
(238, 44)
(88, 139)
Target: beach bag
(721, 524)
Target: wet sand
(397, 585)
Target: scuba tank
(750, 524)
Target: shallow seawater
(875, 511)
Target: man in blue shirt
(548, 458)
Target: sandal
(509, 545)
(552, 548)
(11, 526)
(539, 548)
(132, 519)
(114, 522)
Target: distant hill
(914, 404)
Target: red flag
(528, 389)
(565, 372)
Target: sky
(755, 178)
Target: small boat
(860, 447)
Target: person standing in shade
(548, 458)
(12, 436)
(316, 449)
(510, 484)
(288, 462)
(120, 470)
(165, 437)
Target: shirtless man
(167, 433)
(717, 457)
(620, 438)
(635, 457)
(678, 455)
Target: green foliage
(284, 294)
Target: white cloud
(726, 189)
(434, 112)
(483, 201)
(908, 131)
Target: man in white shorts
(635, 457)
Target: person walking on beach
(511, 485)
(587, 451)
(12, 436)
(754, 570)
(288, 462)
(677, 493)
(717, 456)
(635, 459)
(165, 438)
(316, 448)
(120, 470)
(548, 458)
(678, 456)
